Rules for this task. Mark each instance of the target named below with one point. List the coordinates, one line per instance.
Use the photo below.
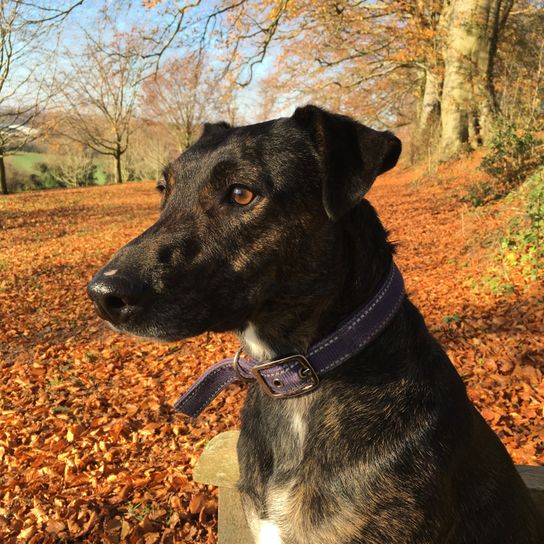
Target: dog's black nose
(116, 298)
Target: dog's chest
(278, 486)
(280, 427)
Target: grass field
(90, 447)
(27, 164)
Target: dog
(264, 230)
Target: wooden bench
(218, 465)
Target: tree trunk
(469, 106)
(118, 168)
(458, 71)
(3, 179)
(428, 116)
(498, 13)
(430, 103)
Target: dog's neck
(343, 277)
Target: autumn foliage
(90, 447)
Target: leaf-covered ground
(90, 448)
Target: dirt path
(89, 445)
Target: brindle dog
(264, 230)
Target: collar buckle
(238, 369)
(276, 377)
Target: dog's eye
(240, 195)
(161, 186)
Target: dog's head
(243, 213)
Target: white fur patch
(256, 347)
(299, 427)
(268, 533)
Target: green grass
(27, 162)
(100, 175)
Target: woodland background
(102, 93)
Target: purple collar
(299, 374)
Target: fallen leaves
(90, 447)
(496, 342)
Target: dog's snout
(116, 298)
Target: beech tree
(392, 62)
(469, 105)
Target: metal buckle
(236, 364)
(307, 370)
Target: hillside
(89, 444)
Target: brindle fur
(389, 449)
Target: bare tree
(182, 94)
(26, 29)
(72, 166)
(245, 30)
(151, 147)
(100, 93)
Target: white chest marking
(256, 347)
(268, 533)
(299, 427)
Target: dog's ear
(352, 155)
(213, 129)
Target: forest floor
(90, 447)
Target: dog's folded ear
(352, 156)
(213, 129)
